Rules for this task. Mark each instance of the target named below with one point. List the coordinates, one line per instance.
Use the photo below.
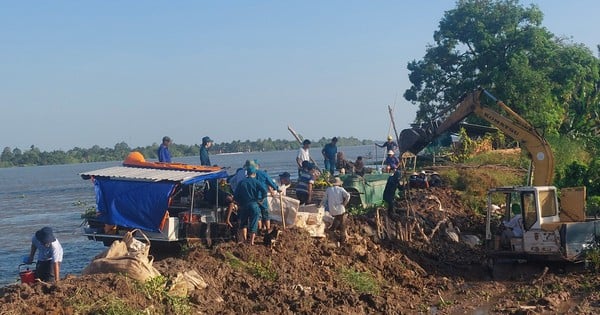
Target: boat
(136, 159)
(365, 191)
(163, 200)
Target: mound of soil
(414, 261)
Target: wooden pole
(282, 213)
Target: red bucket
(27, 276)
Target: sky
(84, 73)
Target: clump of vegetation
(258, 269)
(89, 211)
(156, 289)
(474, 182)
(593, 257)
(84, 301)
(363, 282)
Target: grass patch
(363, 282)
(360, 210)
(499, 157)
(260, 270)
(155, 289)
(85, 302)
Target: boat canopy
(137, 197)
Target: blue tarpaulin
(136, 197)
(132, 204)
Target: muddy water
(34, 197)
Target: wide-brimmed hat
(336, 181)
(390, 152)
(45, 235)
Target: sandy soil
(406, 264)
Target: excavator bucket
(413, 140)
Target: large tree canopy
(503, 47)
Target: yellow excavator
(547, 229)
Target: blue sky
(81, 73)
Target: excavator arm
(511, 124)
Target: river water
(38, 196)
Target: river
(38, 196)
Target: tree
(501, 46)
(7, 155)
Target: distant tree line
(34, 156)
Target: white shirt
(54, 252)
(303, 155)
(516, 224)
(335, 197)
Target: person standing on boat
(163, 150)
(248, 195)
(303, 154)
(329, 152)
(359, 166)
(391, 162)
(305, 183)
(204, 157)
(389, 145)
(50, 255)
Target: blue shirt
(204, 159)
(163, 154)
(249, 190)
(389, 145)
(265, 180)
(329, 151)
(392, 161)
(54, 252)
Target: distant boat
(229, 153)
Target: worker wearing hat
(391, 162)
(163, 150)
(206, 144)
(389, 145)
(50, 255)
(336, 198)
(248, 195)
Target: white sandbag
(310, 218)
(290, 208)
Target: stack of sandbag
(290, 208)
(310, 218)
(127, 256)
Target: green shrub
(593, 205)
(363, 282)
